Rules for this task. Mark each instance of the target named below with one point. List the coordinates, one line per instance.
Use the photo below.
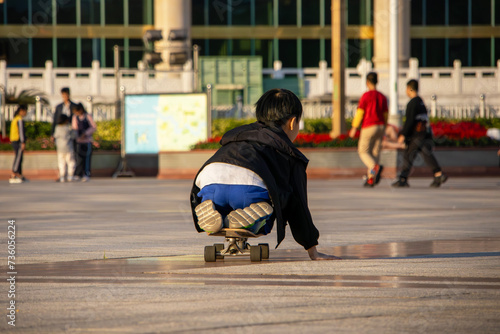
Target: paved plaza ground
(122, 256)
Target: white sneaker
(252, 217)
(16, 179)
(85, 179)
(209, 219)
(62, 179)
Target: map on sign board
(164, 122)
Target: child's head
(78, 109)
(22, 110)
(281, 108)
(63, 119)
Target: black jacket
(415, 112)
(268, 152)
(58, 112)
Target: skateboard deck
(235, 233)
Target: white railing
(458, 82)
(100, 83)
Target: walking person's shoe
(438, 181)
(251, 218)
(85, 179)
(62, 180)
(369, 182)
(209, 219)
(15, 179)
(401, 183)
(378, 169)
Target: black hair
(65, 90)
(372, 78)
(413, 84)
(62, 119)
(21, 107)
(78, 107)
(277, 106)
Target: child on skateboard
(257, 176)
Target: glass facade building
(72, 33)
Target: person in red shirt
(371, 117)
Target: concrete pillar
(381, 33)
(48, 77)
(172, 15)
(278, 70)
(3, 73)
(413, 72)
(95, 83)
(457, 76)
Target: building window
(310, 53)
(328, 12)
(135, 56)
(219, 47)
(242, 47)
(91, 12)
(66, 52)
(416, 13)
(458, 50)
(435, 13)
(198, 12)
(15, 51)
(287, 12)
(137, 12)
(41, 12)
(217, 13)
(481, 11)
(109, 52)
(114, 11)
(459, 12)
(17, 12)
(87, 52)
(241, 12)
(417, 50)
(483, 57)
(66, 12)
(264, 48)
(310, 13)
(354, 9)
(42, 48)
(435, 56)
(497, 13)
(288, 52)
(264, 12)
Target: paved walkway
(122, 256)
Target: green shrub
(222, 125)
(108, 130)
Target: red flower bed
(458, 131)
(4, 140)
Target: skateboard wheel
(255, 253)
(218, 249)
(210, 254)
(265, 251)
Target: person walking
(371, 117)
(18, 141)
(85, 127)
(417, 136)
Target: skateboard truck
(237, 246)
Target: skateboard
(237, 246)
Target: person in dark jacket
(258, 175)
(417, 136)
(63, 108)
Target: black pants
(17, 166)
(424, 144)
(83, 159)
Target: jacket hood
(266, 135)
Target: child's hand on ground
(315, 255)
